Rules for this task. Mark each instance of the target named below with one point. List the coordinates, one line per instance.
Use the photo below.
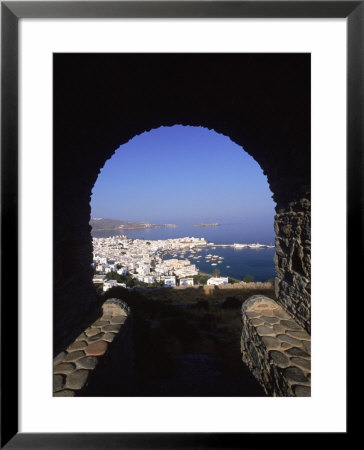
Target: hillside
(100, 224)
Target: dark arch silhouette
(101, 101)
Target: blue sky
(182, 175)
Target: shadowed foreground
(187, 343)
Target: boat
(214, 264)
(257, 245)
(228, 267)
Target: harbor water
(240, 261)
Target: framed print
(152, 323)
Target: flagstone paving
(72, 367)
(276, 349)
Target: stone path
(276, 349)
(72, 367)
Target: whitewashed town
(143, 261)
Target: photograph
(160, 164)
(182, 224)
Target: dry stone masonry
(293, 260)
(276, 349)
(99, 358)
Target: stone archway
(262, 102)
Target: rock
(113, 328)
(74, 356)
(302, 335)
(109, 337)
(77, 345)
(302, 363)
(64, 368)
(294, 351)
(118, 320)
(267, 312)
(278, 328)
(58, 382)
(270, 320)
(64, 393)
(261, 306)
(77, 379)
(281, 314)
(100, 323)
(295, 375)
(290, 325)
(95, 338)
(115, 307)
(302, 391)
(253, 314)
(81, 337)
(59, 358)
(92, 332)
(307, 346)
(88, 362)
(265, 331)
(96, 348)
(285, 345)
(271, 342)
(256, 322)
(279, 359)
(289, 340)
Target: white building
(109, 269)
(149, 279)
(186, 271)
(217, 281)
(169, 281)
(186, 282)
(143, 269)
(109, 284)
(98, 279)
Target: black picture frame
(11, 12)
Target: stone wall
(275, 348)
(250, 285)
(293, 260)
(100, 361)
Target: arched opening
(262, 102)
(188, 175)
(175, 212)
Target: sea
(256, 262)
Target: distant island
(213, 224)
(100, 224)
